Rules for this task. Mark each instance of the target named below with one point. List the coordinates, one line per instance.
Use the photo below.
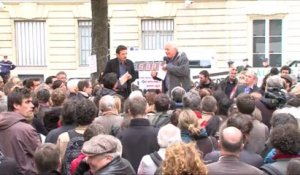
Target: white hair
(107, 103)
(72, 85)
(135, 94)
(168, 135)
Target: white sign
(147, 82)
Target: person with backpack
(167, 135)
(70, 142)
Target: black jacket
(118, 166)
(138, 140)
(113, 66)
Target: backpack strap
(270, 169)
(212, 143)
(156, 158)
(72, 133)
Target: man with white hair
(139, 138)
(177, 67)
(109, 117)
(167, 135)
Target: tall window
(155, 33)
(267, 42)
(85, 41)
(31, 43)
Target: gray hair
(137, 103)
(275, 81)
(209, 104)
(107, 103)
(177, 94)
(168, 135)
(191, 100)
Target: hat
(287, 78)
(100, 144)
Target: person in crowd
(67, 121)
(21, 138)
(167, 135)
(177, 66)
(181, 158)
(32, 83)
(49, 81)
(78, 165)
(260, 132)
(191, 132)
(109, 84)
(135, 146)
(231, 144)
(72, 88)
(288, 82)
(250, 86)
(223, 104)
(206, 82)
(85, 112)
(277, 119)
(286, 140)
(176, 97)
(192, 100)
(84, 89)
(174, 117)
(52, 115)
(43, 97)
(244, 123)
(265, 63)
(5, 67)
(273, 71)
(162, 105)
(285, 70)
(209, 120)
(104, 157)
(150, 111)
(273, 98)
(228, 84)
(8, 166)
(46, 159)
(59, 84)
(109, 116)
(124, 69)
(62, 76)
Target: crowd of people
(76, 128)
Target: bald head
(231, 139)
(170, 49)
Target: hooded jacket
(19, 140)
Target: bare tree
(99, 35)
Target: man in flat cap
(103, 156)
